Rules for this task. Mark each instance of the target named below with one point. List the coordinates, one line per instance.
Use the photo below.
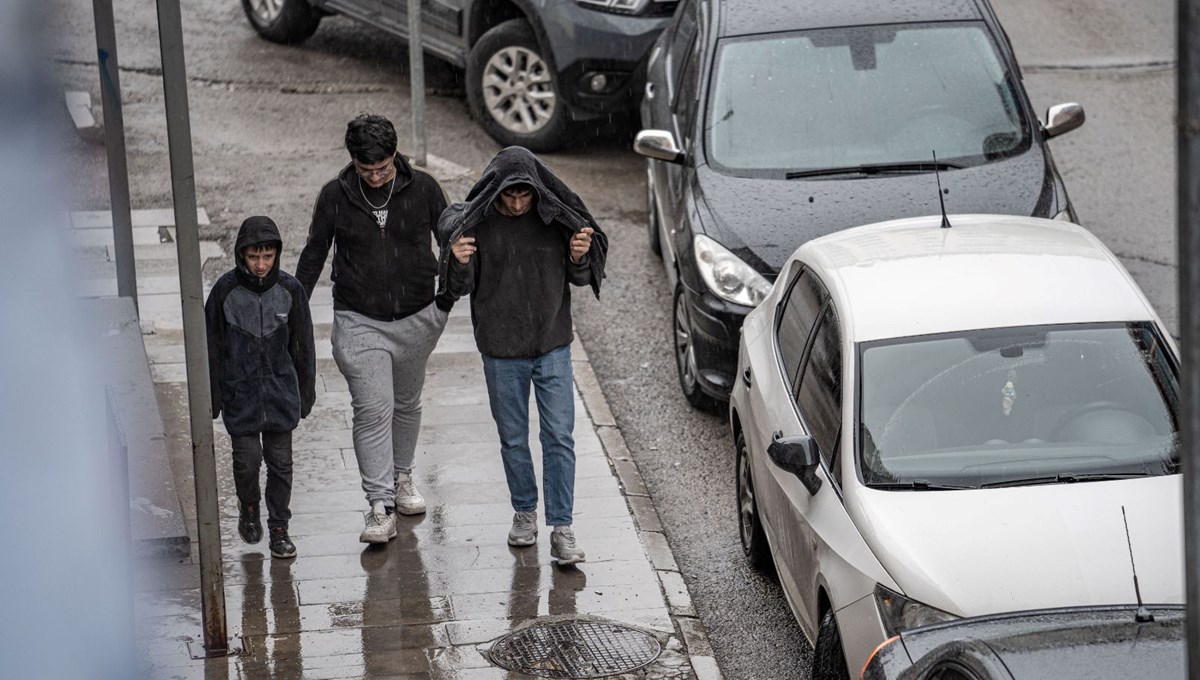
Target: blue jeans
(508, 383)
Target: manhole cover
(575, 649)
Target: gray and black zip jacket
(384, 273)
(261, 356)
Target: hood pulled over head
(514, 166)
(258, 230)
(553, 201)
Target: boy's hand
(581, 243)
(463, 249)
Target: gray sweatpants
(384, 365)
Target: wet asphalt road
(267, 124)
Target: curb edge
(645, 517)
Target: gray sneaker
(563, 547)
(380, 526)
(408, 499)
(524, 529)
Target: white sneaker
(381, 527)
(524, 529)
(563, 547)
(408, 499)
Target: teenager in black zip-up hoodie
(385, 272)
(262, 372)
(380, 216)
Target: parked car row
(956, 436)
(948, 401)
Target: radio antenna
(1143, 615)
(941, 201)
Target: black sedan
(1087, 642)
(767, 123)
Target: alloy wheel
(518, 90)
(266, 11)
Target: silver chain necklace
(385, 201)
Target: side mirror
(658, 144)
(1062, 118)
(797, 455)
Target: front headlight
(618, 6)
(726, 275)
(900, 613)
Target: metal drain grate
(575, 649)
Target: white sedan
(934, 423)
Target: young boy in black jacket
(262, 368)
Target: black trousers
(249, 452)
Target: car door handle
(649, 90)
(746, 377)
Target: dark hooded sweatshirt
(385, 273)
(519, 278)
(261, 357)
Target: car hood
(987, 551)
(764, 220)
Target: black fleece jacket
(261, 356)
(520, 276)
(387, 272)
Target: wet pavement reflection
(421, 605)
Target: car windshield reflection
(1018, 406)
(864, 95)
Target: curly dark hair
(370, 138)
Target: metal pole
(416, 68)
(1188, 174)
(114, 147)
(191, 287)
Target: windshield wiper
(874, 169)
(917, 485)
(1065, 479)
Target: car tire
(282, 21)
(829, 661)
(652, 217)
(750, 529)
(536, 116)
(685, 355)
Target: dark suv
(532, 66)
(767, 123)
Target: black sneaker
(281, 545)
(249, 526)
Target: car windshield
(1016, 406)
(862, 96)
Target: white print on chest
(380, 217)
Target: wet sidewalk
(426, 604)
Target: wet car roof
(911, 277)
(747, 17)
(1097, 642)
